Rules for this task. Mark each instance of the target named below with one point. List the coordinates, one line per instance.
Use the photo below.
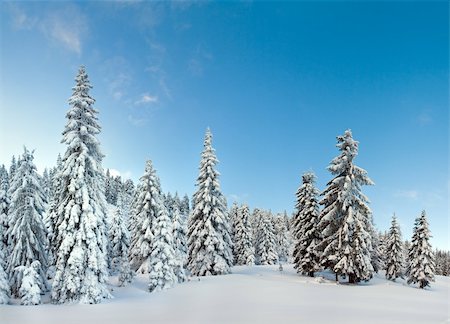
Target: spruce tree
(266, 245)
(179, 242)
(162, 260)
(120, 243)
(4, 207)
(12, 169)
(30, 288)
(394, 252)
(243, 246)
(234, 219)
(345, 219)
(81, 242)
(184, 207)
(306, 254)
(149, 205)
(421, 266)
(4, 284)
(209, 242)
(26, 231)
(282, 240)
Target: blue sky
(276, 83)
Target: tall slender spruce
(209, 241)
(306, 254)
(26, 226)
(243, 246)
(421, 265)
(394, 252)
(345, 220)
(81, 242)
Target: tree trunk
(337, 278)
(311, 274)
(351, 278)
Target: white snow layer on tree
(421, 265)
(26, 231)
(30, 291)
(209, 241)
(345, 220)
(258, 294)
(81, 236)
(394, 252)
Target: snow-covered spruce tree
(4, 207)
(234, 219)
(30, 290)
(282, 239)
(12, 169)
(420, 257)
(184, 207)
(26, 231)
(394, 252)
(306, 254)
(209, 242)
(148, 206)
(4, 284)
(255, 219)
(377, 248)
(81, 241)
(179, 230)
(162, 260)
(51, 216)
(243, 242)
(266, 252)
(345, 221)
(120, 243)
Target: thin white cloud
(199, 60)
(147, 99)
(117, 173)
(424, 118)
(66, 27)
(409, 194)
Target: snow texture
(258, 294)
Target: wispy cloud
(238, 198)
(66, 27)
(199, 60)
(424, 118)
(146, 98)
(409, 194)
(116, 173)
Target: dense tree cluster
(70, 228)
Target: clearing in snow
(258, 294)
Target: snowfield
(258, 294)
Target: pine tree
(209, 242)
(162, 260)
(149, 205)
(81, 242)
(282, 241)
(30, 288)
(120, 243)
(243, 246)
(26, 231)
(179, 242)
(420, 257)
(266, 245)
(394, 252)
(306, 254)
(377, 255)
(345, 218)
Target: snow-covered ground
(259, 294)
